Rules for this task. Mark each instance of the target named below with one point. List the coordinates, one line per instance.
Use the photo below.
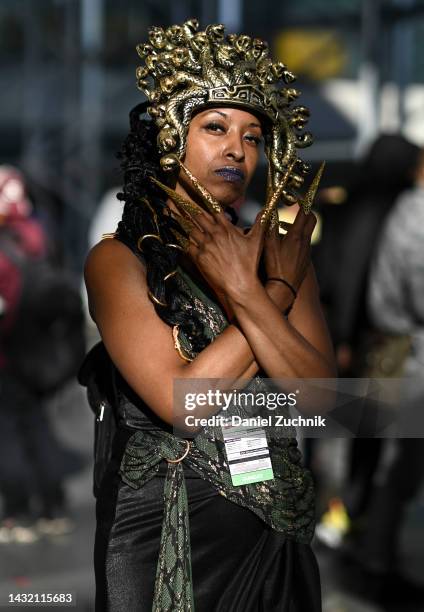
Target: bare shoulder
(112, 270)
(110, 252)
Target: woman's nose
(234, 147)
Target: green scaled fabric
(173, 586)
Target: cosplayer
(181, 292)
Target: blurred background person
(386, 341)
(41, 344)
(343, 260)
(352, 231)
(396, 304)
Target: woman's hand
(226, 257)
(288, 256)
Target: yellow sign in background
(317, 54)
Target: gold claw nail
(183, 242)
(185, 224)
(273, 223)
(211, 203)
(268, 184)
(271, 204)
(307, 202)
(274, 215)
(186, 207)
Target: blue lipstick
(231, 174)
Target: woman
(182, 299)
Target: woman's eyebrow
(225, 116)
(213, 110)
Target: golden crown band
(246, 96)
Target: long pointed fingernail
(273, 223)
(182, 240)
(211, 203)
(185, 206)
(307, 202)
(273, 199)
(187, 225)
(268, 184)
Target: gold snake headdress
(186, 69)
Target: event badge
(247, 454)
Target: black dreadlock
(144, 214)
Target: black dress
(238, 562)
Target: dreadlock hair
(144, 214)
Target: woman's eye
(255, 139)
(215, 127)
